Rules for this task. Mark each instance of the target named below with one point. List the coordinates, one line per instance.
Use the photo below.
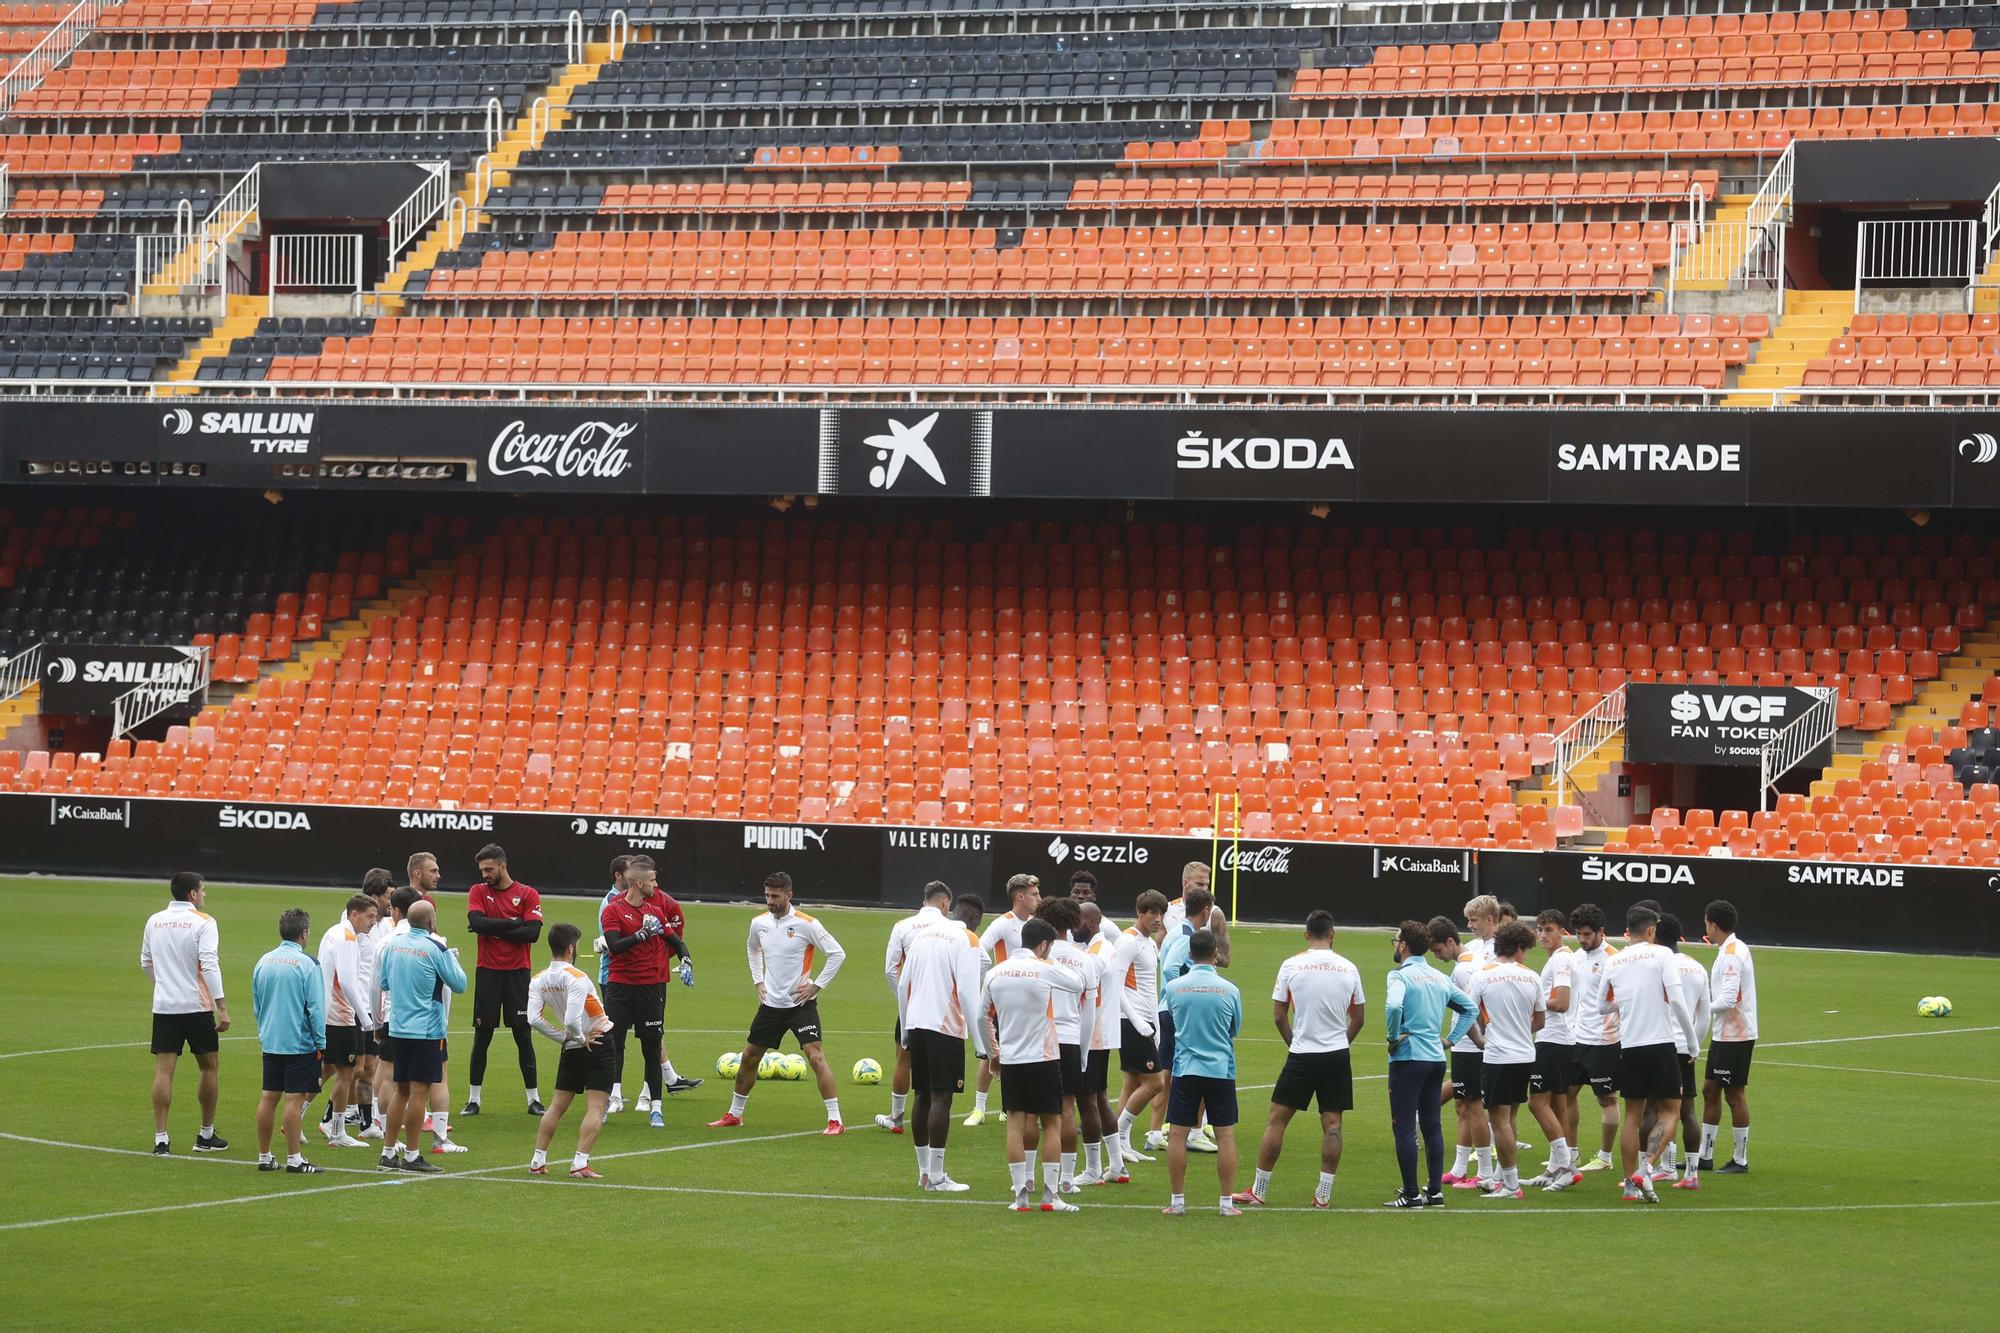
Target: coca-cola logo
(1266, 860)
(592, 450)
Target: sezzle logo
(1649, 457)
(1261, 453)
(1405, 863)
(447, 821)
(63, 812)
(236, 816)
(781, 838)
(1764, 708)
(1115, 854)
(1980, 448)
(1596, 870)
(903, 444)
(1269, 859)
(588, 450)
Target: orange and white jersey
(1109, 990)
(1323, 990)
(1002, 937)
(1593, 1022)
(1138, 968)
(1019, 999)
(900, 936)
(782, 953)
(1075, 1016)
(1732, 993)
(1694, 998)
(1646, 986)
(348, 1003)
(181, 952)
(1509, 996)
(938, 986)
(562, 988)
(1463, 971)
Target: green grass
(1867, 1192)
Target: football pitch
(1868, 1202)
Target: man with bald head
(417, 970)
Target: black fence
(1922, 908)
(1864, 459)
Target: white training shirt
(1137, 965)
(378, 936)
(1559, 973)
(1592, 1021)
(561, 988)
(1732, 992)
(1108, 931)
(1075, 1015)
(1478, 950)
(1019, 999)
(1509, 996)
(938, 990)
(1323, 989)
(348, 1003)
(1462, 972)
(782, 952)
(1694, 999)
(1002, 937)
(1110, 991)
(181, 951)
(899, 941)
(1643, 982)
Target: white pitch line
(1897, 1073)
(186, 1207)
(1878, 1036)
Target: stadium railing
(1791, 747)
(49, 54)
(1917, 252)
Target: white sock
(937, 1164)
(1325, 1190)
(667, 1072)
(923, 1162)
(1558, 1154)
(1742, 1144)
(1261, 1187)
(617, 1092)
(534, 1095)
(1125, 1119)
(1224, 1204)
(208, 1132)
(1067, 1170)
(1603, 1154)
(1485, 1156)
(979, 1102)
(1667, 1155)
(580, 1161)
(833, 1108)
(264, 1157)
(1051, 1176)
(441, 1125)
(897, 1101)
(541, 1157)
(1177, 1200)
(160, 1137)
(1093, 1158)
(1114, 1149)
(295, 1159)
(351, 1111)
(1708, 1133)
(1017, 1172)
(410, 1154)
(472, 1095)
(1464, 1156)
(737, 1101)
(1511, 1176)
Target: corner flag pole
(1236, 854)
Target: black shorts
(937, 1062)
(770, 1025)
(1728, 1063)
(419, 1060)
(1597, 1066)
(292, 1073)
(1506, 1085)
(1688, 1084)
(1468, 1076)
(1555, 1066)
(385, 1046)
(1649, 1072)
(1327, 1076)
(580, 1070)
(1195, 1093)
(1164, 1025)
(636, 1004)
(500, 999)
(343, 1046)
(1137, 1052)
(1034, 1089)
(1070, 1062)
(371, 1042)
(196, 1031)
(1097, 1073)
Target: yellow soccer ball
(729, 1064)
(867, 1072)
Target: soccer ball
(771, 1066)
(1934, 1006)
(867, 1071)
(792, 1068)
(729, 1064)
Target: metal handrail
(539, 116)
(1585, 736)
(20, 671)
(1791, 747)
(415, 213)
(48, 54)
(1989, 219)
(618, 32)
(1917, 251)
(454, 222)
(496, 119)
(6, 191)
(142, 703)
(574, 37)
(1773, 200)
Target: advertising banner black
(1060, 453)
(1712, 724)
(1648, 458)
(88, 678)
(557, 450)
(913, 450)
(1262, 455)
(732, 451)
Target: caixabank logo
(93, 815)
(906, 452)
(1424, 862)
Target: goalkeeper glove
(687, 972)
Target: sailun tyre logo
(62, 670)
(1980, 448)
(579, 825)
(178, 420)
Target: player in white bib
(1103, 1160)
(1694, 995)
(1002, 940)
(937, 898)
(1466, 1090)
(1552, 1087)
(1594, 1030)
(1646, 987)
(1732, 1000)
(1512, 1011)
